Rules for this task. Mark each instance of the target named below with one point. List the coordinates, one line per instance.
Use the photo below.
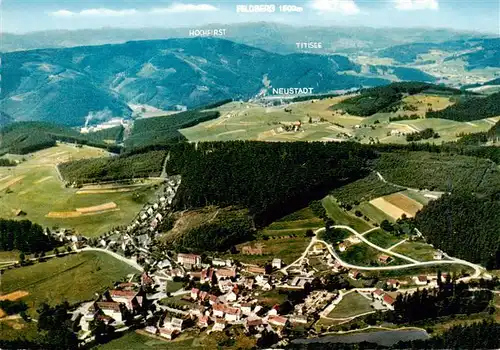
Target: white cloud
(103, 12)
(345, 7)
(409, 5)
(179, 8)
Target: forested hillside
(464, 226)
(271, 179)
(380, 99)
(163, 130)
(440, 171)
(82, 171)
(26, 137)
(472, 108)
(226, 228)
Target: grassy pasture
(341, 217)
(73, 278)
(382, 239)
(417, 250)
(40, 191)
(373, 213)
(351, 305)
(360, 254)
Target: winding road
(477, 268)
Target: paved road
(129, 262)
(478, 269)
(387, 251)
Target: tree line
(425, 134)
(139, 165)
(386, 98)
(164, 130)
(477, 335)
(464, 226)
(449, 299)
(24, 236)
(469, 109)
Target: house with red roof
(279, 321)
(388, 301)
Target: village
(218, 294)
(178, 293)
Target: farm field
(351, 305)
(417, 196)
(364, 189)
(373, 212)
(296, 224)
(417, 250)
(38, 191)
(74, 278)
(396, 205)
(251, 121)
(382, 238)
(341, 217)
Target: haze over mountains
(274, 37)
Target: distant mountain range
(476, 52)
(273, 37)
(71, 86)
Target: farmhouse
(256, 270)
(225, 273)
(219, 325)
(384, 259)
(354, 274)
(420, 280)
(388, 301)
(203, 322)
(168, 333)
(110, 308)
(218, 310)
(392, 283)
(279, 321)
(233, 314)
(277, 263)
(378, 293)
(131, 299)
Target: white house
(276, 263)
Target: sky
(20, 16)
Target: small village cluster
(227, 296)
